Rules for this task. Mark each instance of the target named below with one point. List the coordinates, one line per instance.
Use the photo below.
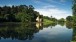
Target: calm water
(36, 33)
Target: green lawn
(47, 22)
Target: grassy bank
(47, 22)
(73, 41)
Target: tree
(20, 13)
(69, 18)
(74, 11)
(23, 17)
(10, 17)
(61, 20)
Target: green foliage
(69, 18)
(74, 19)
(74, 11)
(61, 20)
(50, 18)
(10, 17)
(18, 13)
(47, 20)
(23, 17)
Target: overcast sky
(56, 8)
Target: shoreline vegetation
(47, 22)
(23, 14)
(20, 13)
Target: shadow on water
(74, 32)
(70, 25)
(19, 31)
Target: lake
(37, 33)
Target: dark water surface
(36, 33)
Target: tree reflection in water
(19, 31)
(61, 23)
(70, 25)
(51, 25)
(27, 31)
(74, 33)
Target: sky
(56, 8)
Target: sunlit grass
(46, 22)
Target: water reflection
(51, 25)
(37, 32)
(61, 23)
(39, 25)
(57, 33)
(69, 25)
(19, 31)
(74, 33)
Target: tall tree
(74, 10)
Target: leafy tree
(10, 17)
(74, 19)
(69, 18)
(23, 17)
(18, 13)
(61, 20)
(74, 11)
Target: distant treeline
(21, 13)
(50, 18)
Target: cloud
(37, 1)
(49, 6)
(62, 1)
(49, 2)
(57, 2)
(7, 5)
(55, 12)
